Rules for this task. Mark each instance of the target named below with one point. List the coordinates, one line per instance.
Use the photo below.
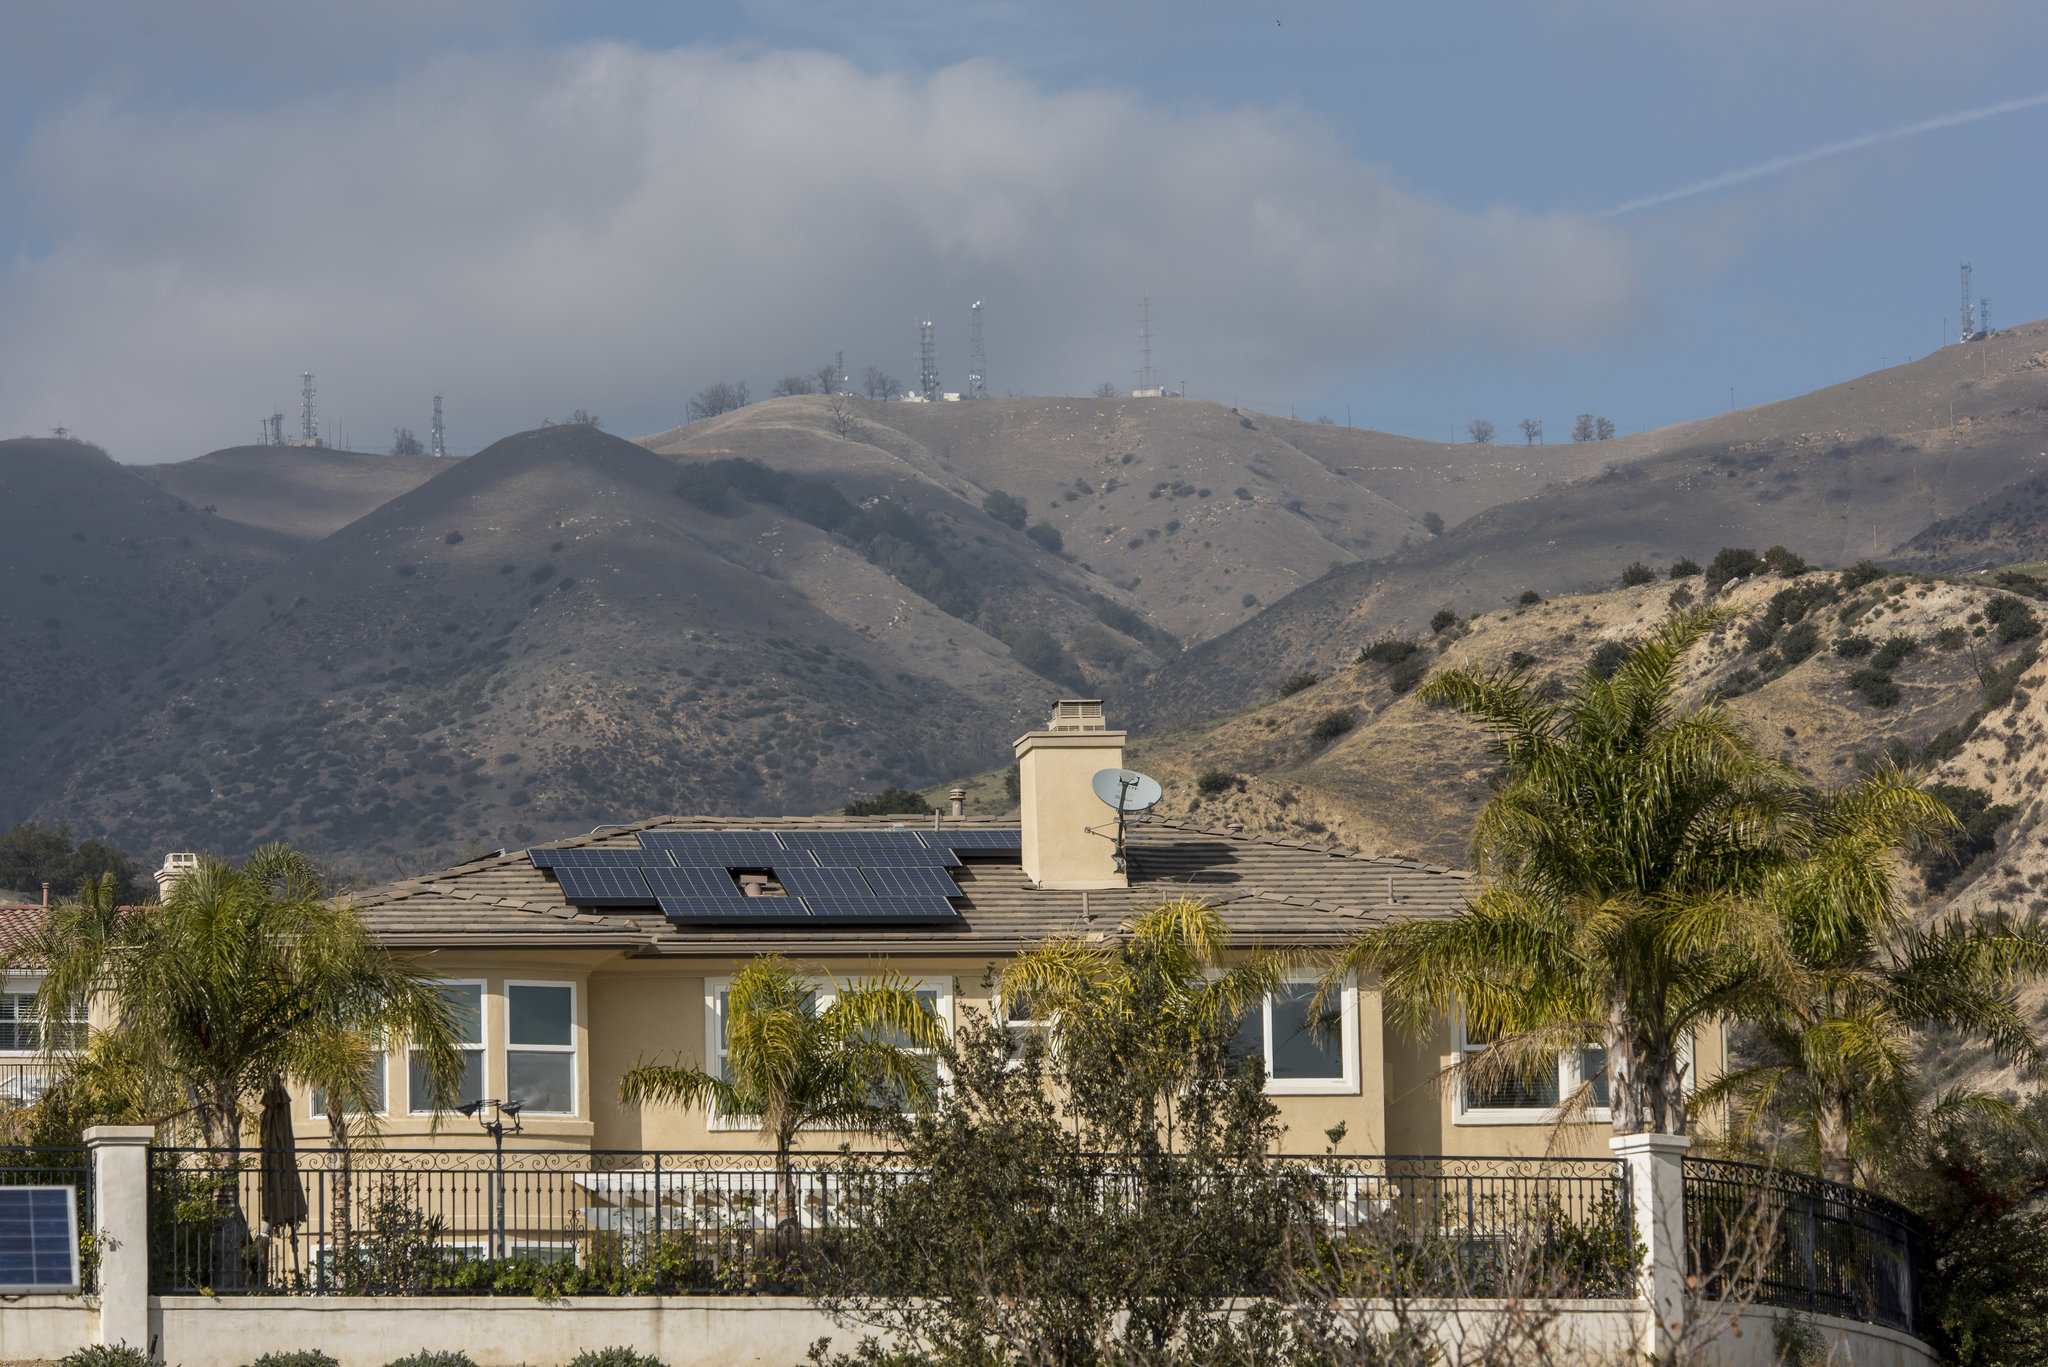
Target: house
(576, 961)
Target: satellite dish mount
(1130, 792)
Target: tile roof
(18, 921)
(1271, 892)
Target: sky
(1399, 216)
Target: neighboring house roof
(17, 923)
(1271, 892)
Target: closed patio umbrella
(283, 1197)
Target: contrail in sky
(1828, 149)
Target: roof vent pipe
(957, 801)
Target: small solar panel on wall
(38, 1240)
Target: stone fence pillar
(1656, 1184)
(120, 1175)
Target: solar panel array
(38, 1240)
(869, 878)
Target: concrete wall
(687, 1331)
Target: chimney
(176, 866)
(957, 801)
(1054, 766)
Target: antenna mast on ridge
(977, 356)
(1969, 322)
(927, 363)
(307, 431)
(1145, 380)
(440, 446)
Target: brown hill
(304, 492)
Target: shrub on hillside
(1433, 523)
(1300, 683)
(1391, 651)
(2014, 619)
(1410, 672)
(1331, 725)
(1951, 638)
(1606, 658)
(891, 801)
(1529, 598)
(613, 1357)
(1443, 621)
(1799, 642)
(1893, 652)
(1685, 567)
(1006, 509)
(1854, 647)
(105, 1355)
(1047, 536)
(1518, 659)
(1780, 561)
(1679, 599)
(1861, 573)
(1876, 686)
(1980, 819)
(1732, 562)
(1215, 781)
(1037, 651)
(1637, 574)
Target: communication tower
(1969, 323)
(309, 433)
(927, 364)
(839, 369)
(1145, 380)
(440, 445)
(1983, 317)
(977, 356)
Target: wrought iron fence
(22, 1081)
(420, 1222)
(59, 1167)
(1801, 1242)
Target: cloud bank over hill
(611, 227)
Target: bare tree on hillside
(791, 385)
(1106, 390)
(713, 399)
(1582, 430)
(1532, 429)
(1480, 430)
(583, 417)
(882, 385)
(828, 379)
(404, 443)
(840, 417)
(1603, 430)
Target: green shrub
(1607, 658)
(1217, 781)
(1006, 509)
(1854, 647)
(1980, 820)
(1520, 660)
(1388, 652)
(1861, 573)
(1685, 567)
(1331, 725)
(1250, 600)
(304, 1357)
(1780, 561)
(1241, 492)
(1637, 574)
(891, 802)
(1951, 638)
(1893, 652)
(424, 1358)
(1876, 686)
(1047, 536)
(1799, 643)
(1408, 673)
(1300, 683)
(1443, 621)
(1433, 523)
(1732, 562)
(1529, 598)
(105, 1355)
(613, 1357)
(1679, 599)
(2014, 619)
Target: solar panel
(596, 859)
(898, 911)
(904, 856)
(586, 887)
(912, 882)
(692, 882)
(38, 1240)
(842, 840)
(978, 842)
(752, 911)
(826, 882)
(723, 848)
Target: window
(1529, 1100)
(936, 994)
(1307, 1052)
(466, 1004)
(377, 1091)
(21, 1028)
(540, 1047)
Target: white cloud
(612, 227)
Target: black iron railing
(420, 1222)
(24, 1080)
(1785, 1238)
(59, 1167)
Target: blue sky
(1395, 211)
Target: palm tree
(1836, 1054)
(1170, 977)
(851, 1066)
(1628, 861)
(218, 990)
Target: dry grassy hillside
(1844, 488)
(1351, 760)
(304, 492)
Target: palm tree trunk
(344, 1194)
(221, 1122)
(1833, 1126)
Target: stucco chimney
(1053, 769)
(176, 866)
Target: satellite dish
(1127, 790)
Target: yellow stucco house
(574, 962)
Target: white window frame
(714, 1052)
(1570, 1077)
(571, 1048)
(482, 1047)
(28, 985)
(1347, 1085)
